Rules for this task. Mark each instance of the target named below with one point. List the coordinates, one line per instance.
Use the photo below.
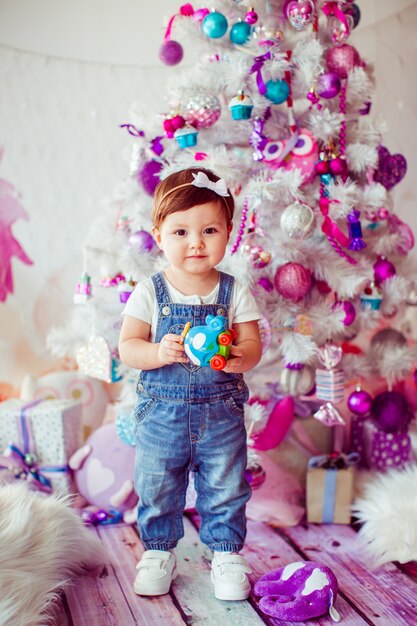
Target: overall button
(140, 387)
(239, 385)
(221, 311)
(166, 310)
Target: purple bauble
(141, 241)
(328, 85)
(383, 269)
(349, 310)
(292, 281)
(171, 52)
(359, 402)
(342, 59)
(391, 411)
(148, 176)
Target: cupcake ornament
(241, 106)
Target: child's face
(194, 240)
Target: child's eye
(211, 230)
(180, 232)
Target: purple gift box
(378, 449)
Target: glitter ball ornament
(171, 52)
(277, 91)
(240, 33)
(328, 85)
(141, 241)
(300, 13)
(298, 220)
(253, 249)
(391, 411)
(342, 59)
(383, 269)
(292, 281)
(214, 25)
(148, 176)
(359, 401)
(202, 109)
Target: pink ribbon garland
(334, 234)
(186, 11)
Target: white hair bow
(202, 180)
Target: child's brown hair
(177, 193)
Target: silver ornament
(298, 220)
(202, 109)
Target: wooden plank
(385, 595)
(193, 589)
(108, 599)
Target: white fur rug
(43, 544)
(388, 511)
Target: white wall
(69, 72)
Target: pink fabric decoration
(277, 426)
(10, 211)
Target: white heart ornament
(99, 478)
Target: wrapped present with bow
(36, 441)
(330, 487)
(330, 379)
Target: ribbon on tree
(334, 234)
(257, 67)
(333, 8)
(186, 10)
(24, 455)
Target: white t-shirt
(142, 303)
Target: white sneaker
(228, 575)
(156, 571)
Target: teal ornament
(240, 33)
(214, 25)
(326, 178)
(277, 91)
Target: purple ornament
(341, 60)
(148, 176)
(383, 269)
(171, 52)
(391, 168)
(391, 411)
(359, 402)
(328, 85)
(141, 241)
(349, 310)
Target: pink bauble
(342, 59)
(338, 166)
(359, 402)
(383, 269)
(391, 411)
(171, 52)
(292, 281)
(148, 176)
(251, 17)
(349, 310)
(141, 241)
(328, 85)
(322, 167)
(178, 122)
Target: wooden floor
(385, 596)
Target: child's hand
(235, 362)
(171, 350)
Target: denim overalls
(190, 418)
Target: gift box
(329, 490)
(378, 449)
(37, 439)
(330, 385)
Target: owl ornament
(303, 155)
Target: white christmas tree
(278, 103)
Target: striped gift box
(330, 385)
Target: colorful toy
(210, 344)
(303, 155)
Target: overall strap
(225, 289)
(161, 289)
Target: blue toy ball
(214, 25)
(240, 33)
(277, 91)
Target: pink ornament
(338, 166)
(322, 167)
(299, 13)
(148, 176)
(302, 156)
(342, 59)
(383, 269)
(178, 122)
(171, 52)
(251, 17)
(277, 426)
(141, 241)
(293, 281)
(328, 85)
(359, 402)
(391, 411)
(349, 310)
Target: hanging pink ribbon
(334, 234)
(186, 11)
(257, 67)
(332, 8)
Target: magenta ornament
(141, 241)
(391, 168)
(349, 310)
(328, 85)
(148, 176)
(342, 59)
(251, 17)
(359, 402)
(293, 281)
(391, 411)
(338, 166)
(171, 52)
(383, 269)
